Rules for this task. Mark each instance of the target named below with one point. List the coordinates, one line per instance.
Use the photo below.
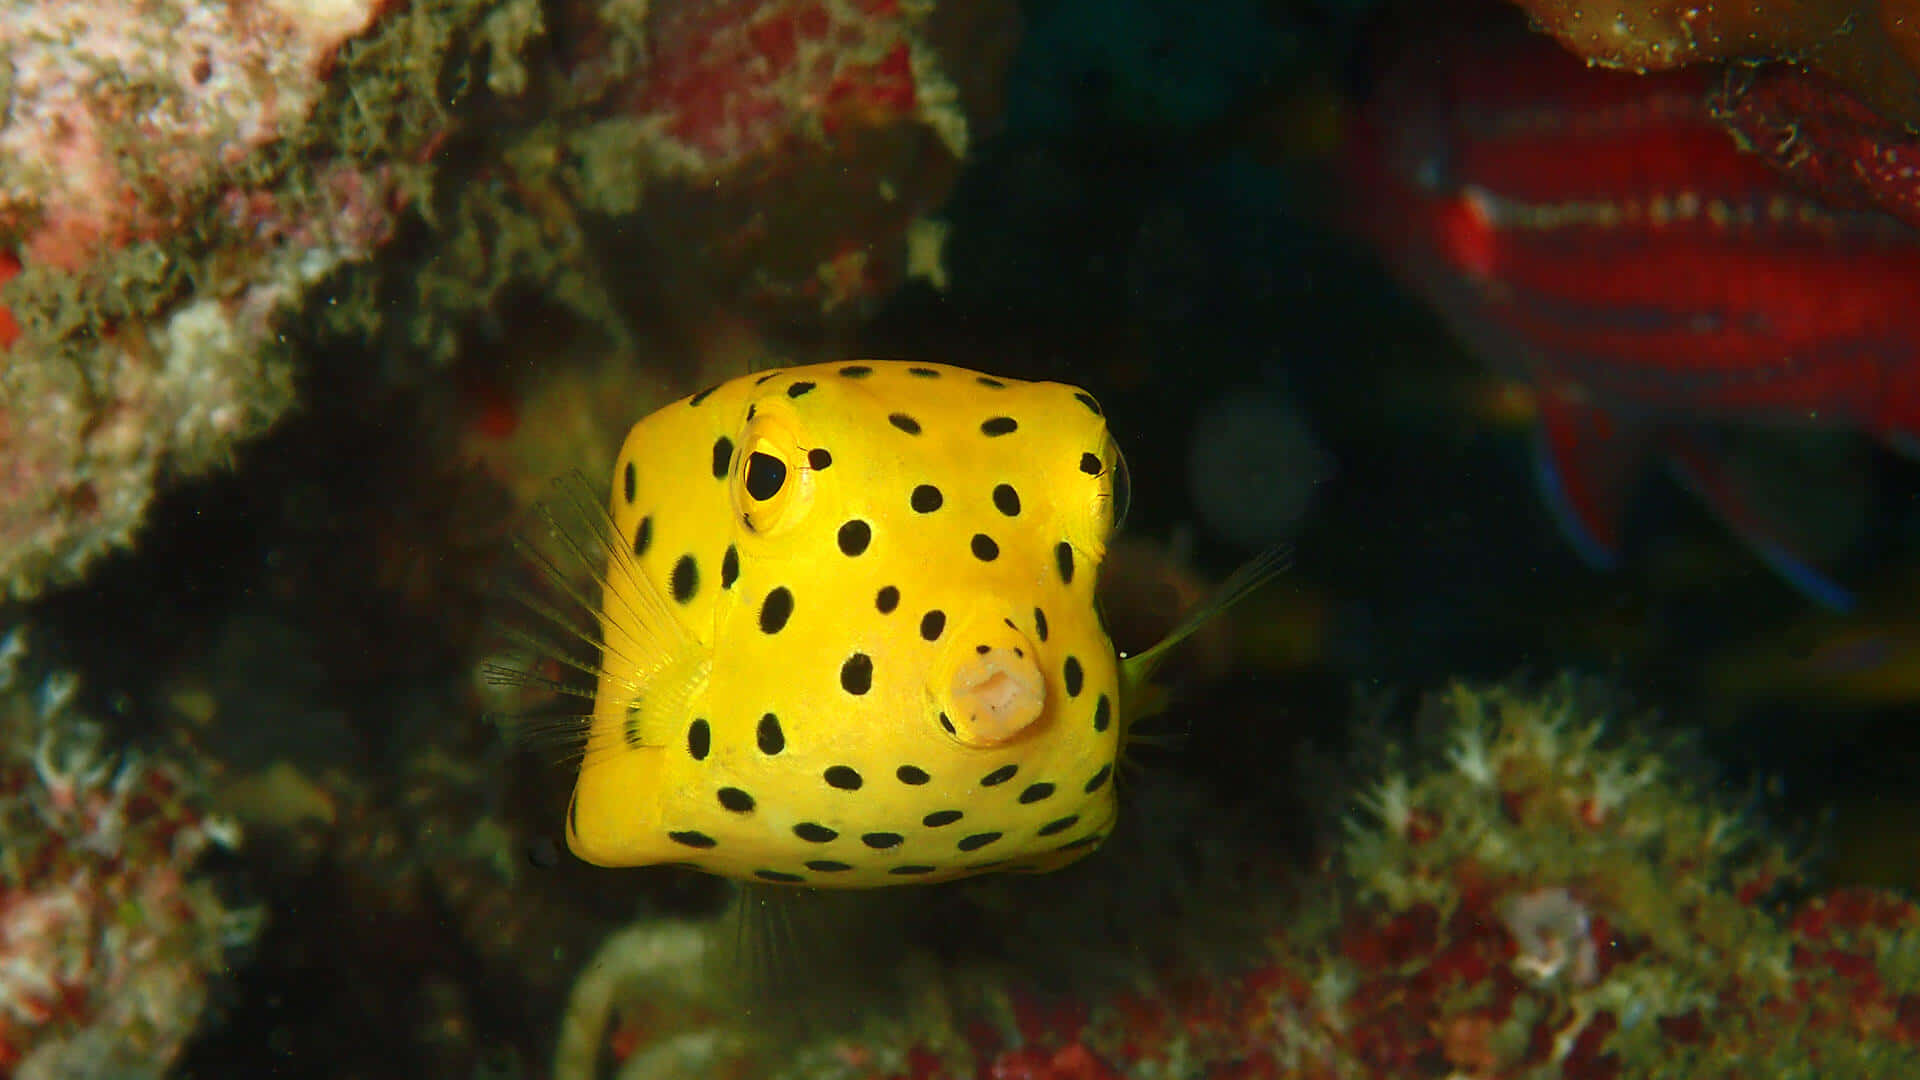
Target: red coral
(9, 326)
(1074, 1062)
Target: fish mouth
(996, 690)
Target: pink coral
(120, 111)
(107, 943)
(789, 145)
(736, 78)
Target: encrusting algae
(846, 633)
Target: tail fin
(1703, 468)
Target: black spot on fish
(1063, 555)
(799, 388)
(912, 870)
(685, 579)
(730, 571)
(1006, 500)
(880, 841)
(977, 841)
(989, 382)
(643, 536)
(1040, 623)
(1059, 825)
(910, 774)
(1036, 792)
(856, 371)
(932, 623)
(775, 610)
(947, 724)
(772, 740)
(692, 839)
(923, 372)
(1099, 779)
(999, 425)
(905, 423)
(843, 777)
(1087, 400)
(722, 457)
(736, 800)
(1102, 713)
(703, 395)
(856, 674)
(1090, 464)
(855, 535)
(632, 480)
(827, 866)
(1070, 672)
(699, 740)
(815, 834)
(999, 776)
(887, 599)
(632, 727)
(941, 817)
(818, 458)
(779, 877)
(984, 548)
(765, 377)
(926, 499)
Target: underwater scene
(959, 539)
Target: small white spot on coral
(1552, 936)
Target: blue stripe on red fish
(1601, 236)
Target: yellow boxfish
(847, 634)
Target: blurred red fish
(1600, 236)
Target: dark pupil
(1122, 488)
(765, 474)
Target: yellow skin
(811, 673)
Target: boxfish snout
(994, 689)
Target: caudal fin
(1703, 467)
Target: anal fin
(1585, 457)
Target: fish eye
(771, 494)
(766, 475)
(1122, 489)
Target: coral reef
(793, 148)
(1839, 115)
(194, 193)
(1540, 897)
(118, 116)
(158, 223)
(1816, 132)
(1871, 48)
(108, 944)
